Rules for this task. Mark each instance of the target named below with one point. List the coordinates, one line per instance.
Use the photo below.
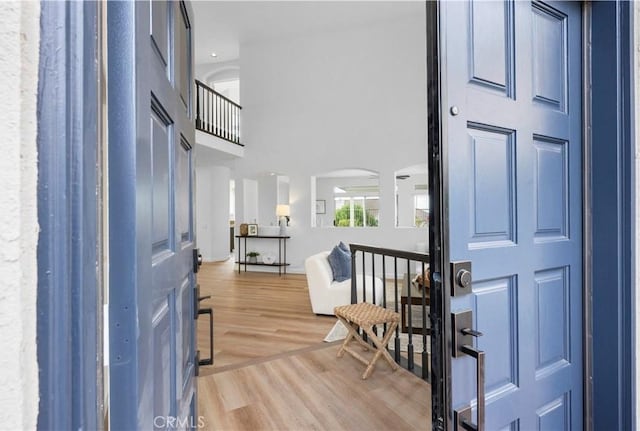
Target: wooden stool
(366, 316)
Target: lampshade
(283, 211)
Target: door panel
(184, 170)
(183, 55)
(491, 36)
(161, 137)
(159, 29)
(151, 218)
(513, 153)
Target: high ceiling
(220, 26)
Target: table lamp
(283, 212)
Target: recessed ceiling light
(214, 55)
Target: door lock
(463, 278)
(197, 260)
(460, 278)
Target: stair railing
(216, 114)
(404, 279)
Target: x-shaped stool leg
(380, 344)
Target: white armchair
(325, 293)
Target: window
(357, 211)
(421, 210)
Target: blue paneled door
(512, 124)
(151, 136)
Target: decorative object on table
(244, 229)
(252, 229)
(253, 256)
(268, 259)
(422, 280)
(283, 212)
(321, 206)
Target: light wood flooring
(273, 372)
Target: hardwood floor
(256, 315)
(273, 372)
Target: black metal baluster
(425, 363)
(214, 116)
(384, 287)
(395, 282)
(233, 123)
(209, 106)
(373, 287)
(225, 112)
(364, 280)
(218, 128)
(205, 110)
(237, 126)
(198, 126)
(364, 288)
(373, 278)
(409, 318)
(354, 289)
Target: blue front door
(512, 122)
(151, 296)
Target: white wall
(212, 212)
(267, 200)
(349, 98)
(406, 190)
(19, 41)
(247, 201)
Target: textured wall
(19, 41)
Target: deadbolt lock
(460, 278)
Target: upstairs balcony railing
(216, 114)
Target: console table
(281, 263)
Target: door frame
(609, 138)
(69, 261)
(611, 188)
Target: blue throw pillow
(340, 262)
(344, 247)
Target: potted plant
(253, 256)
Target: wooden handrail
(401, 254)
(203, 85)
